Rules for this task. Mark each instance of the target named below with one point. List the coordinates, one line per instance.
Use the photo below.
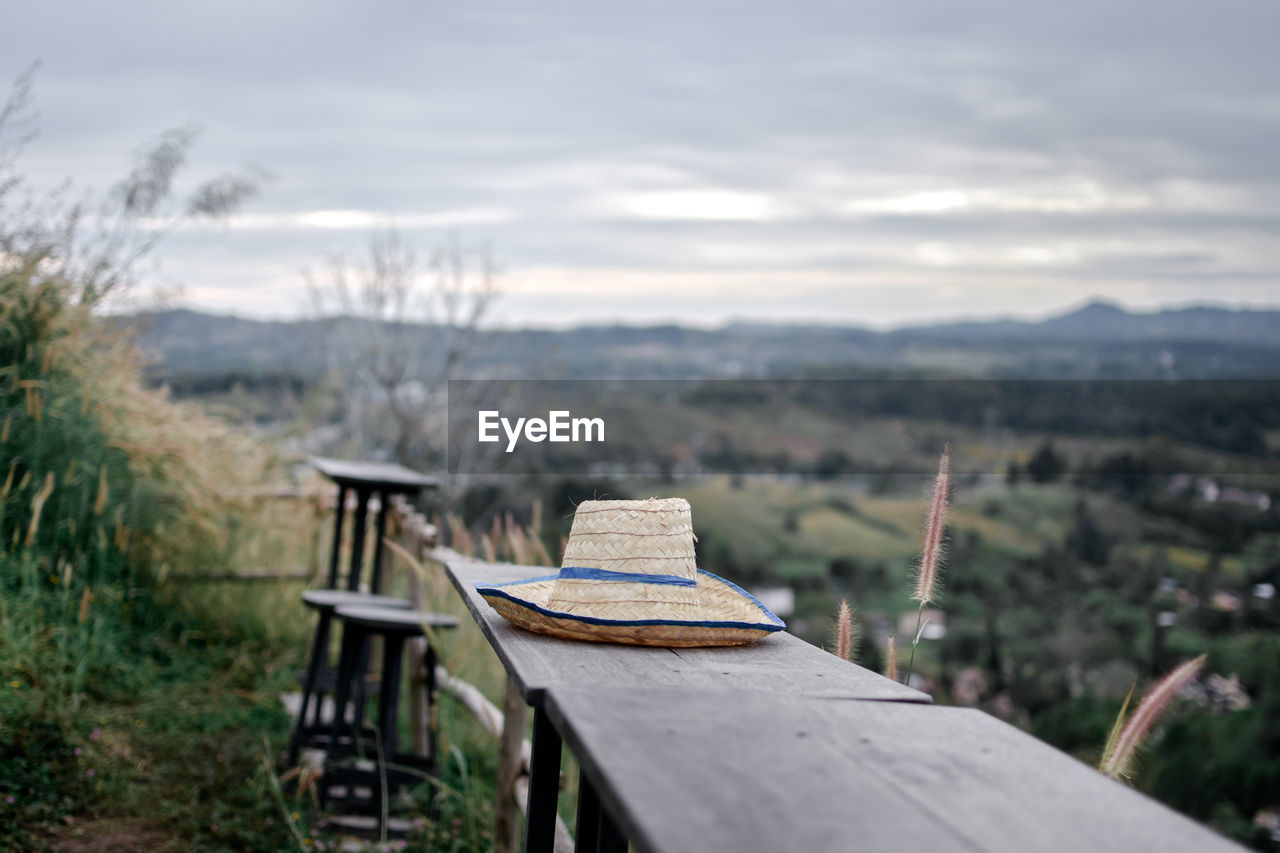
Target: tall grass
(927, 573)
(106, 488)
(1129, 733)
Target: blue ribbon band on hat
(583, 574)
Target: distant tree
(1086, 539)
(832, 463)
(844, 569)
(1046, 465)
(723, 456)
(1126, 473)
(564, 497)
(779, 462)
(403, 325)
(859, 577)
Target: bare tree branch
(101, 249)
(402, 328)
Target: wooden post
(419, 713)
(379, 547)
(412, 538)
(409, 538)
(506, 834)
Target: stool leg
(361, 680)
(544, 786)
(319, 651)
(389, 701)
(357, 539)
(612, 838)
(351, 641)
(335, 556)
(587, 834)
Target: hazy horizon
(166, 305)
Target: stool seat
(328, 599)
(384, 620)
(382, 476)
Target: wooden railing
(776, 746)
(416, 538)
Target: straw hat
(629, 576)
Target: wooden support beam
(247, 576)
(512, 763)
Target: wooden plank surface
(715, 770)
(779, 662)
(380, 475)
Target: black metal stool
(348, 738)
(366, 480)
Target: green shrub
(42, 776)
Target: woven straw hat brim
(729, 616)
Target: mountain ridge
(1098, 339)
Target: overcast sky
(846, 162)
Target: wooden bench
(782, 746)
(733, 771)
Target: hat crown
(637, 551)
(649, 537)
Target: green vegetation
(1057, 596)
(116, 698)
(139, 701)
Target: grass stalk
(846, 632)
(931, 552)
(891, 660)
(1122, 748)
(915, 641)
(277, 791)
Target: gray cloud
(1052, 150)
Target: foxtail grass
(847, 632)
(506, 540)
(927, 572)
(891, 659)
(1127, 737)
(1118, 725)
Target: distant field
(780, 520)
(760, 529)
